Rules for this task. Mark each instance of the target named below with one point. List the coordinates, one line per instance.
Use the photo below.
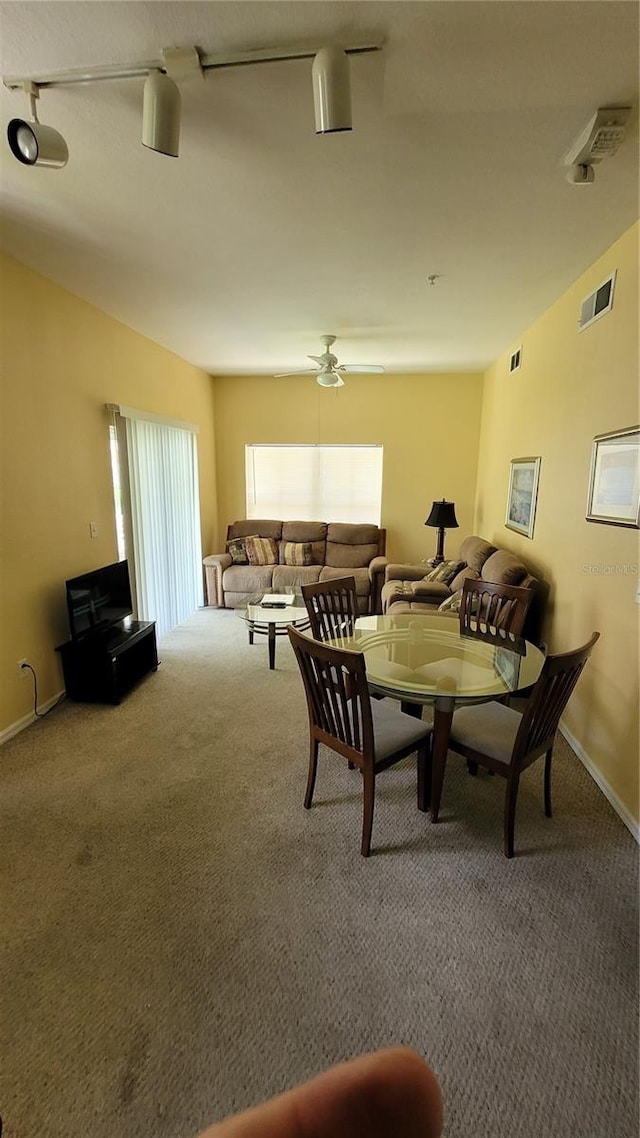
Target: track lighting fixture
(331, 91)
(161, 114)
(37, 145)
(33, 143)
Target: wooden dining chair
(371, 735)
(495, 613)
(506, 741)
(332, 607)
(492, 611)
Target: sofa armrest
(434, 591)
(376, 576)
(404, 572)
(214, 566)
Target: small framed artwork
(614, 480)
(522, 496)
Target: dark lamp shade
(443, 515)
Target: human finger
(387, 1094)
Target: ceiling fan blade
(329, 372)
(306, 371)
(373, 369)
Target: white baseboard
(597, 776)
(27, 720)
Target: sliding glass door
(161, 516)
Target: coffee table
(272, 622)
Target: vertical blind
(165, 521)
(314, 483)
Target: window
(314, 483)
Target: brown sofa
(337, 549)
(406, 590)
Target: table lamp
(442, 516)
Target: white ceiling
(262, 235)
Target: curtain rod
(151, 417)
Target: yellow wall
(573, 386)
(427, 424)
(62, 360)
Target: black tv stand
(103, 666)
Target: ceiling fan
(329, 372)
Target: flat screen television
(98, 600)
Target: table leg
(424, 781)
(272, 645)
(250, 634)
(442, 716)
(414, 709)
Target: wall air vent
(597, 303)
(515, 359)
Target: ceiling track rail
(140, 69)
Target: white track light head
(31, 142)
(161, 114)
(331, 90)
(37, 145)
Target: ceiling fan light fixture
(331, 90)
(161, 114)
(330, 379)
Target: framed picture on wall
(522, 496)
(614, 480)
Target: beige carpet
(182, 939)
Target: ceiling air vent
(597, 303)
(515, 359)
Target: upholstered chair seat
(488, 727)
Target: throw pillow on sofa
(452, 603)
(298, 553)
(237, 548)
(261, 550)
(445, 571)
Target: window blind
(314, 483)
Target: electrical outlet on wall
(23, 669)
(93, 529)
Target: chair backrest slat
(338, 698)
(493, 611)
(548, 700)
(332, 607)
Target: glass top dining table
(423, 659)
